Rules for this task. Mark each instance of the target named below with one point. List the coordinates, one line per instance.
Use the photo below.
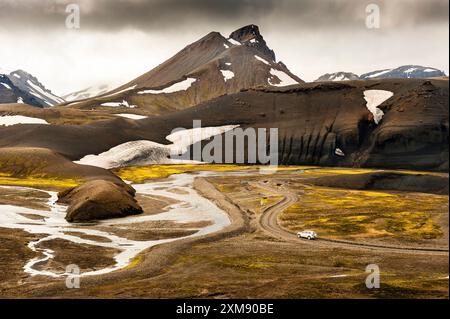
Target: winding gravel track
(269, 223)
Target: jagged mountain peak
(250, 35)
(246, 33)
(209, 67)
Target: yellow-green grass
(139, 174)
(352, 213)
(37, 181)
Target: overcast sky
(119, 40)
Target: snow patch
(374, 98)
(45, 95)
(379, 73)
(253, 41)
(138, 153)
(339, 152)
(9, 120)
(234, 42)
(227, 75)
(131, 116)
(226, 46)
(179, 86)
(429, 70)
(6, 86)
(285, 79)
(119, 104)
(184, 138)
(262, 60)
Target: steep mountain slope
(211, 67)
(330, 124)
(338, 76)
(21, 87)
(405, 71)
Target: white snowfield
(20, 100)
(284, 78)
(261, 59)
(179, 86)
(430, 70)
(119, 104)
(227, 75)
(131, 116)
(374, 98)
(144, 152)
(9, 120)
(226, 46)
(182, 139)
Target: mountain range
(21, 87)
(402, 72)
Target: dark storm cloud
(147, 15)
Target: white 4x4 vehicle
(308, 234)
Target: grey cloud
(148, 15)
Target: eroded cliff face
(318, 124)
(414, 131)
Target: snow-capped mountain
(208, 68)
(21, 87)
(89, 92)
(405, 71)
(338, 76)
(28, 83)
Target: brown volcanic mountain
(211, 67)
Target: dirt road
(269, 223)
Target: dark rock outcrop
(99, 199)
